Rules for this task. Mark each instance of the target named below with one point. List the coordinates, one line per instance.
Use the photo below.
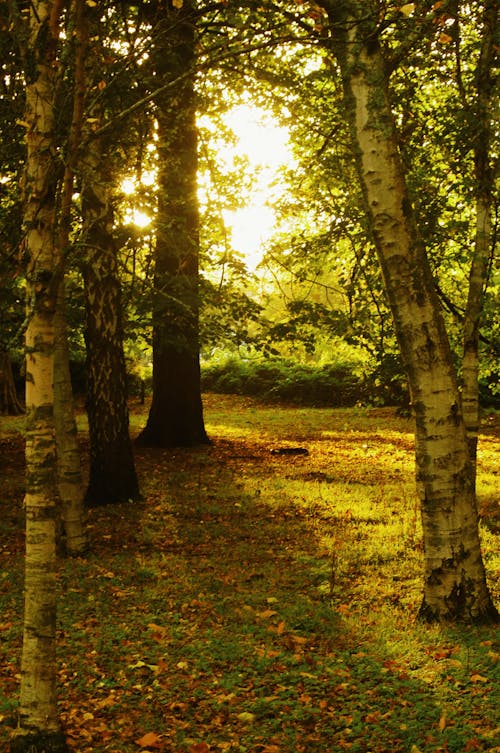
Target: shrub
(283, 380)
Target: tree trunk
(9, 401)
(176, 414)
(112, 470)
(484, 187)
(39, 730)
(454, 583)
(70, 481)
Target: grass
(257, 602)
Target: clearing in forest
(260, 601)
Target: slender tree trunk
(70, 481)
(9, 401)
(39, 730)
(112, 470)
(454, 584)
(484, 187)
(176, 414)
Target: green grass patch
(260, 602)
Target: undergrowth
(338, 383)
(261, 602)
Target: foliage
(319, 280)
(341, 383)
(261, 602)
(11, 166)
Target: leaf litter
(258, 601)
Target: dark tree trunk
(112, 470)
(176, 415)
(9, 401)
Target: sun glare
(265, 144)
(129, 186)
(137, 218)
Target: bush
(333, 385)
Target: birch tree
(112, 476)
(455, 585)
(70, 479)
(39, 729)
(483, 107)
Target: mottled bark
(454, 581)
(112, 469)
(176, 414)
(39, 728)
(112, 476)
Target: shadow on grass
(211, 618)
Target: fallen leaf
(478, 678)
(266, 614)
(149, 740)
(199, 748)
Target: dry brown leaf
(199, 748)
(149, 740)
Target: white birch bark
(39, 728)
(454, 580)
(69, 472)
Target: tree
(112, 475)
(11, 168)
(480, 110)
(112, 469)
(176, 413)
(454, 584)
(39, 729)
(9, 401)
(70, 481)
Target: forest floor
(260, 602)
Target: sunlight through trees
(297, 201)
